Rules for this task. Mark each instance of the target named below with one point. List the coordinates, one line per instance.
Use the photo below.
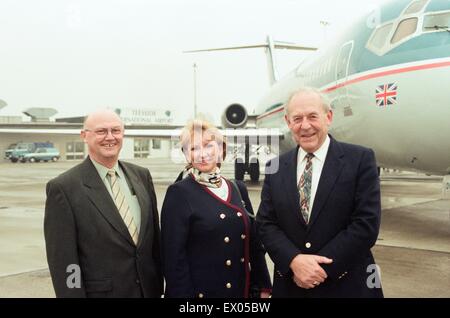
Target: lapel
(100, 197)
(139, 190)
(289, 174)
(331, 170)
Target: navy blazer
(209, 245)
(343, 226)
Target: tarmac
(413, 248)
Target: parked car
(15, 152)
(41, 154)
(9, 150)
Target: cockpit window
(411, 22)
(415, 6)
(404, 29)
(380, 36)
(436, 22)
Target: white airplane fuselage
(394, 98)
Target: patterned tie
(304, 188)
(122, 206)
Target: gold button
(200, 295)
(243, 236)
(226, 239)
(228, 285)
(308, 245)
(222, 216)
(239, 214)
(228, 262)
(242, 260)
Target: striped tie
(122, 206)
(304, 188)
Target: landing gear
(253, 170)
(247, 162)
(239, 169)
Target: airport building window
(156, 144)
(141, 148)
(436, 22)
(404, 29)
(416, 6)
(74, 150)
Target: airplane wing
(270, 46)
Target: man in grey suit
(101, 221)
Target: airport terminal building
(64, 134)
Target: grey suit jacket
(83, 229)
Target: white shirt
(317, 166)
(221, 192)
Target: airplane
(387, 78)
(388, 82)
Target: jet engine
(234, 116)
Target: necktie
(122, 206)
(304, 188)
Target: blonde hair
(196, 129)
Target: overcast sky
(79, 55)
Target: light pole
(195, 89)
(325, 24)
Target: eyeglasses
(102, 132)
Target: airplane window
(405, 28)
(380, 36)
(416, 6)
(436, 22)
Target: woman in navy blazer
(209, 244)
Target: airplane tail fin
(270, 47)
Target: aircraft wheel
(239, 170)
(254, 171)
